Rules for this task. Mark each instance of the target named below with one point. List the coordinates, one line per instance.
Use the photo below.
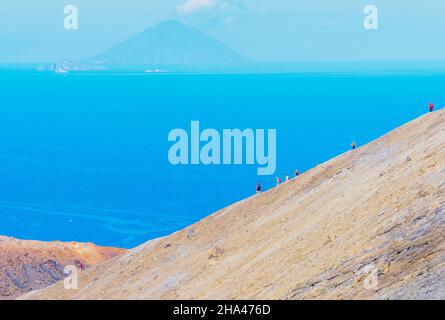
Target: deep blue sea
(84, 156)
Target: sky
(263, 30)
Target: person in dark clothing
(353, 145)
(258, 187)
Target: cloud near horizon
(191, 6)
(210, 13)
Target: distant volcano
(169, 43)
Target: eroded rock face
(32, 265)
(369, 224)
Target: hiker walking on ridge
(431, 107)
(278, 181)
(258, 187)
(297, 173)
(287, 177)
(353, 145)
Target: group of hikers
(297, 173)
(286, 177)
(278, 179)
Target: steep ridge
(378, 212)
(31, 265)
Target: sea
(84, 156)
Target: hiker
(258, 187)
(297, 173)
(354, 145)
(287, 177)
(431, 107)
(278, 181)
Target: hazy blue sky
(261, 29)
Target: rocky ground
(31, 265)
(369, 224)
